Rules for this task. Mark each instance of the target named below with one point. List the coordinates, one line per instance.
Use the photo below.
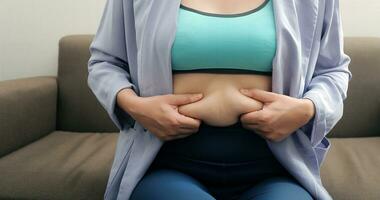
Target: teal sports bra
(233, 43)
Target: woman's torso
(230, 39)
(214, 65)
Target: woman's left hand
(280, 116)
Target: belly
(221, 140)
(229, 147)
(222, 103)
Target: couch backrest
(79, 110)
(361, 116)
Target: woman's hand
(159, 114)
(280, 116)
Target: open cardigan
(131, 49)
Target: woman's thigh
(169, 184)
(276, 188)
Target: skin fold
(273, 116)
(222, 103)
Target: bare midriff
(222, 103)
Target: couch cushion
(61, 165)
(352, 168)
(69, 165)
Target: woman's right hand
(159, 114)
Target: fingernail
(198, 95)
(243, 90)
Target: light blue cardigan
(132, 49)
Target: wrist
(309, 107)
(128, 100)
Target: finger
(188, 130)
(260, 95)
(182, 132)
(251, 117)
(187, 122)
(255, 126)
(180, 99)
(256, 129)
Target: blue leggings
(171, 184)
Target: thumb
(179, 99)
(260, 95)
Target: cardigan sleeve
(329, 84)
(108, 69)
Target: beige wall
(361, 18)
(30, 30)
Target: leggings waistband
(220, 144)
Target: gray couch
(57, 142)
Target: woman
(267, 143)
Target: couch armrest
(27, 111)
